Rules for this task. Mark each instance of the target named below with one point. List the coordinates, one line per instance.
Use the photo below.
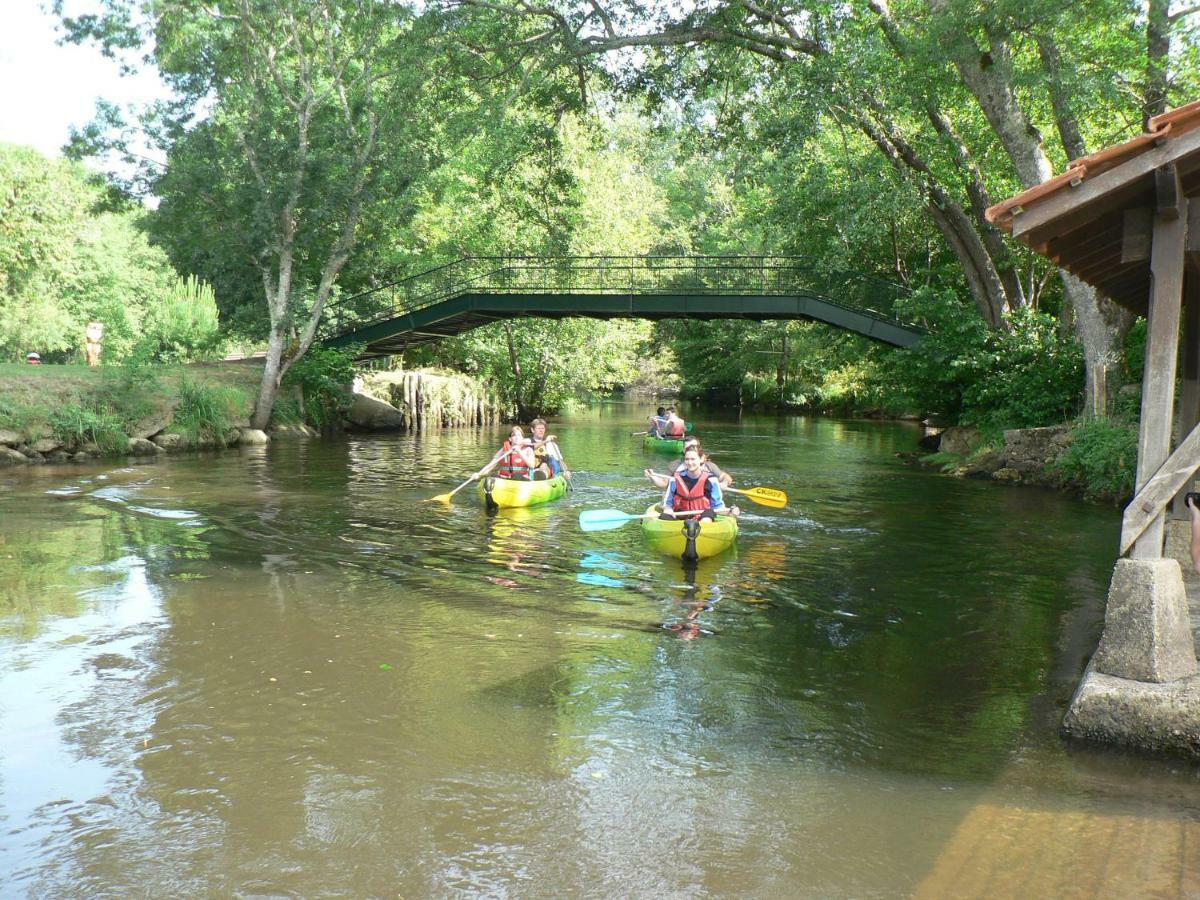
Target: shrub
(76, 424)
(1027, 377)
(324, 377)
(1101, 459)
(183, 325)
(206, 413)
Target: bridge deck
(476, 291)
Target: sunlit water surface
(277, 672)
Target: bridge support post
(1147, 629)
(1142, 674)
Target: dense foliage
(323, 147)
(70, 255)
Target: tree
(891, 82)
(316, 108)
(68, 256)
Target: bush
(324, 377)
(183, 325)
(206, 413)
(76, 425)
(1026, 377)
(1101, 459)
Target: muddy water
(277, 672)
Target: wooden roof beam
(1123, 178)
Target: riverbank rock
(155, 422)
(170, 442)
(46, 444)
(142, 447)
(984, 465)
(252, 437)
(10, 438)
(11, 457)
(1030, 450)
(959, 440)
(370, 414)
(295, 432)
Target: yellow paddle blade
(440, 498)
(772, 497)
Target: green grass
(101, 405)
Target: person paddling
(548, 458)
(675, 426)
(658, 422)
(514, 460)
(723, 477)
(694, 488)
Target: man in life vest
(658, 422)
(675, 426)
(514, 460)
(548, 459)
(723, 477)
(694, 488)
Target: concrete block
(1147, 631)
(1136, 714)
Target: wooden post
(1189, 385)
(1162, 344)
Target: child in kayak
(514, 460)
(658, 422)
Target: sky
(46, 88)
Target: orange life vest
(696, 497)
(675, 428)
(513, 464)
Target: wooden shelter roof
(1085, 219)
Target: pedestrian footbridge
(475, 291)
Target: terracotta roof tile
(1170, 124)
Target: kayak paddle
(606, 519)
(445, 498)
(772, 497)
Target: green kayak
(663, 445)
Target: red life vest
(675, 428)
(512, 465)
(696, 497)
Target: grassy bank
(98, 410)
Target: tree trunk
(1158, 49)
(988, 75)
(272, 376)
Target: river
(277, 672)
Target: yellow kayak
(510, 492)
(707, 537)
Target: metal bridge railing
(619, 275)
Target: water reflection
(287, 674)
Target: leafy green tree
(316, 108)
(942, 90)
(68, 257)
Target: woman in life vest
(694, 488)
(723, 477)
(515, 459)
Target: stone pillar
(1147, 630)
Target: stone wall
(1025, 457)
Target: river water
(277, 672)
